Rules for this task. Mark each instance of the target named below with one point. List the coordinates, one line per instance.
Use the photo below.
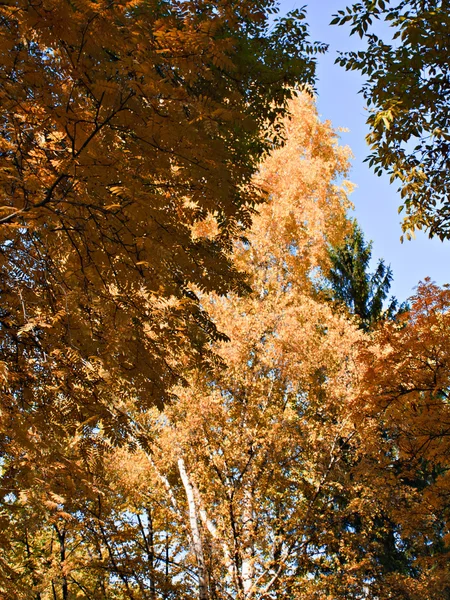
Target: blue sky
(376, 201)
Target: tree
(313, 463)
(205, 463)
(351, 284)
(113, 152)
(252, 454)
(405, 452)
(291, 467)
(407, 93)
(313, 466)
(125, 126)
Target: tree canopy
(407, 91)
(124, 127)
(312, 463)
(184, 413)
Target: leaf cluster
(406, 89)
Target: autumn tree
(314, 465)
(287, 244)
(113, 152)
(404, 454)
(124, 127)
(113, 535)
(252, 455)
(283, 477)
(407, 71)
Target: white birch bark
(197, 545)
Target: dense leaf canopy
(315, 465)
(124, 126)
(163, 435)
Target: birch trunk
(196, 538)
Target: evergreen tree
(352, 284)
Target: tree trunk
(247, 569)
(62, 554)
(196, 539)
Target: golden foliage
(124, 125)
(313, 463)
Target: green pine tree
(351, 283)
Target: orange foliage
(313, 463)
(124, 125)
